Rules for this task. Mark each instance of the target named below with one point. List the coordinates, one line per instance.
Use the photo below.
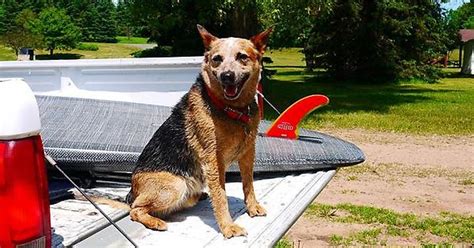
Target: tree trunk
(244, 19)
(129, 32)
(51, 52)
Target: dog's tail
(113, 203)
(104, 198)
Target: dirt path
(424, 175)
(142, 46)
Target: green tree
(22, 35)
(293, 19)
(3, 23)
(74, 8)
(462, 17)
(107, 16)
(12, 8)
(95, 18)
(378, 40)
(89, 23)
(58, 30)
(243, 17)
(124, 18)
(469, 23)
(127, 24)
(98, 22)
(173, 23)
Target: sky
(454, 4)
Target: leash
(268, 102)
(56, 166)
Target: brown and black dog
(214, 124)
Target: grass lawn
(408, 107)
(106, 50)
(384, 222)
(132, 40)
(454, 55)
(6, 53)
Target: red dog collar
(242, 115)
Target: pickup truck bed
(76, 223)
(91, 137)
(158, 81)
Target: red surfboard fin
(286, 125)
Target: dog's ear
(260, 40)
(207, 38)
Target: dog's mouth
(232, 91)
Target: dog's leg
(246, 172)
(192, 200)
(159, 193)
(216, 183)
(204, 144)
(141, 214)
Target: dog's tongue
(231, 90)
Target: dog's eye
(242, 56)
(217, 58)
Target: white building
(467, 48)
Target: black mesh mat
(108, 136)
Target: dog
(213, 125)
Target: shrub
(158, 51)
(88, 47)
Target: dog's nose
(228, 77)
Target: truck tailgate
(285, 197)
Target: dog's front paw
(233, 230)
(256, 210)
(155, 224)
